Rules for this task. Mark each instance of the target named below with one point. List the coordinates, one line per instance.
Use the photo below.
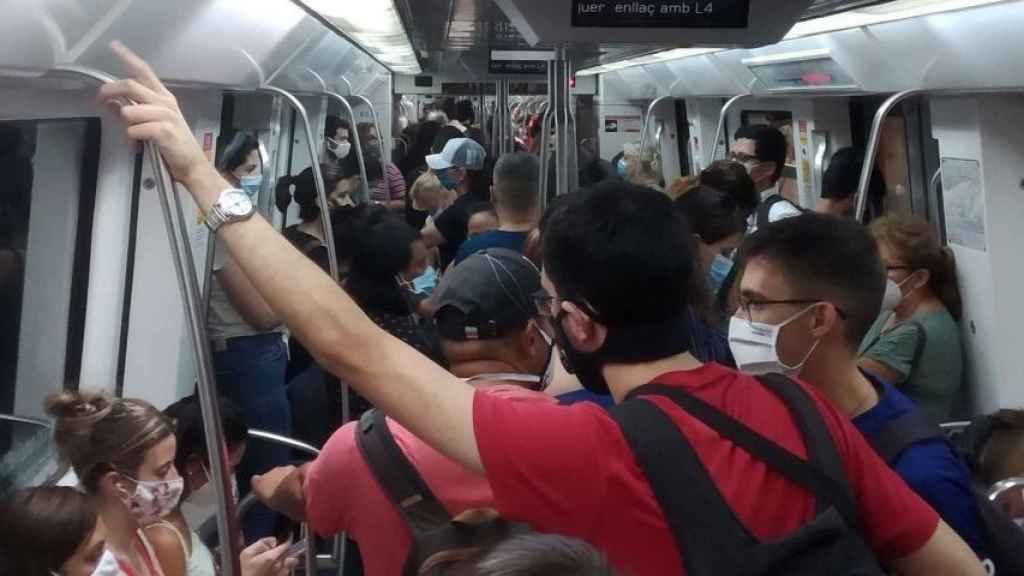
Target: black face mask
(628, 344)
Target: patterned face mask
(153, 499)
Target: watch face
(236, 203)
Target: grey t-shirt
(933, 382)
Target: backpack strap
(902, 433)
(687, 495)
(399, 479)
(809, 475)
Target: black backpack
(1004, 540)
(441, 544)
(764, 209)
(709, 537)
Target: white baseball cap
(458, 152)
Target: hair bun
(90, 406)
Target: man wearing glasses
(810, 290)
(762, 151)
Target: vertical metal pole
(373, 113)
(364, 186)
(184, 266)
(558, 76)
(318, 177)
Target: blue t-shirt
(930, 468)
(491, 239)
(583, 395)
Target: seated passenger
(762, 151)
(487, 321)
(718, 225)
(620, 325)
(993, 446)
(54, 530)
(542, 555)
(459, 167)
(917, 346)
(482, 219)
(175, 537)
(840, 183)
(516, 198)
(815, 282)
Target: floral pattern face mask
(153, 499)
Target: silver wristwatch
(233, 205)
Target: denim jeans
(250, 372)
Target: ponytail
(944, 283)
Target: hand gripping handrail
(184, 265)
(318, 177)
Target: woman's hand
(266, 558)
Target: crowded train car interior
(169, 368)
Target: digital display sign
(503, 67)
(660, 13)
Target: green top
(932, 379)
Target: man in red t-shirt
(619, 270)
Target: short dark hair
(623, 250)
(712, 214)
(190, 434)
(237, 148)
(445, 134)
(463, 112)
(842, 177)
(43, 527)
(831, 258)
(335, 122)
(517, 182)
(732, 178)
(770, 145)
(381, 249)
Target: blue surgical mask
(446, 180)
(721, 266)
(425, 283)
(251, 184)
(620, 167)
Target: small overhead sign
(660, 13)
(509, 67)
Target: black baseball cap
(486, 296)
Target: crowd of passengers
(695, 377)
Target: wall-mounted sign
(627, 124)
(503, 67)
(660, 13)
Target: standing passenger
(815, 282)
(458, 167)
(839, 187)
(249, 353)
(387, 186)
(516, 198)
(917, 346)
(762, 151)
(617, 270)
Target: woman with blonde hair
(917, 345)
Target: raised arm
(413, 390)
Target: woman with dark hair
(731, 177)
(917, 345)
(308, 234)
(54, 530)
(249, 352)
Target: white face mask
(339, 149)
(107, 566)
(154, 499)
(892, 297)
(754, 346)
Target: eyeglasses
(750, 306)
(544, 303)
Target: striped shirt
(390, 187)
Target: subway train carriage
(643, 287)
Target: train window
(48, 171)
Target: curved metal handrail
(284, 441)
(26, 420)
(721, 124)
(1005, 485)
(184, 265)
(871, 153)
(318, 176)
(647, 120)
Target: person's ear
(922, 279)
(583, 332)
(824, 319)
(112, 483)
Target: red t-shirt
(569, 470)
(342, 494)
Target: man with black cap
(486, 317)
(459, 167)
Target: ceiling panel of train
(453, 38)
